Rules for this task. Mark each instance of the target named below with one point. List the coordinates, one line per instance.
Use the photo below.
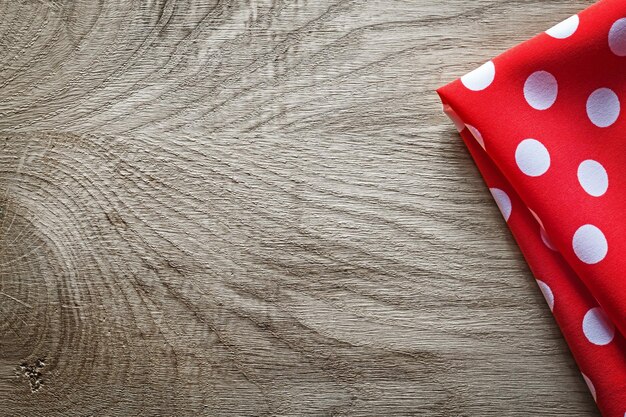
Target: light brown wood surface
(257, 208)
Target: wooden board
(257, 208)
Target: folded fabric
(546, 127)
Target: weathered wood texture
(257, 208)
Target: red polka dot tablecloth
(546, 125)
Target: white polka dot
(564, 29)
(603, 107)
(597, 327)
(547, 293)
(458, 123)
(542, 232)
(503, 201)
(546, 239)
(532, 157)
(480, 78)
(617, 37)
(536, 217)
(593, 178)
(540, 90)
(589, 244)
(592, 389)
(477, 135)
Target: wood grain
(257, 208)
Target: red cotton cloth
(546, 125)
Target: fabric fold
(546, 125)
